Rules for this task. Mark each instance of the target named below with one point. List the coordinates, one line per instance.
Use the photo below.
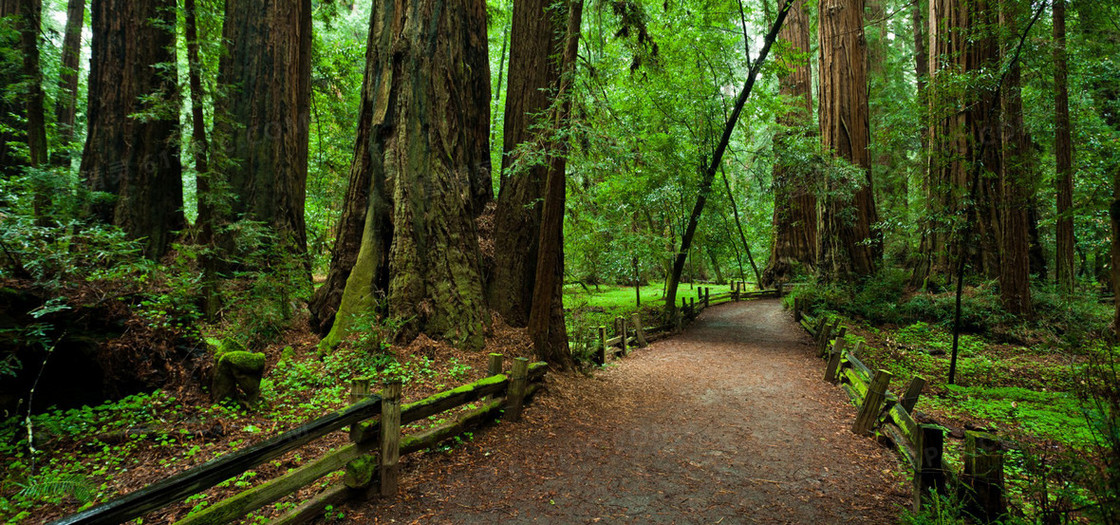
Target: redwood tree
(1063, 153)
(1014, 174)
(848, 245)
(66, 103)
(261, 117)
(421, 138)
(795, 202)
(132, 148)
(546, 317)
(535, 63)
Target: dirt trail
(729, 422)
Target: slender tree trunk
(1014, 275)
(795, 202)
(261, 121)
(739, 224)
(546, 317)
(28, 22)
(421, 117)
(709, 167)
(536, 53)
(135, 159)
(1063, 154)
(848, 246)
(66, 104)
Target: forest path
(729, 422)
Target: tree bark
(66, 105)
(1063, 154)
(425, 106)
(709, 167)
(132, 158)
(536, 53)
(261, 121)
(1014, 275)
(546, 317)
(795, 202)
(848, 245)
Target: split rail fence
(370, 461)
(890, 417)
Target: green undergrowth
(78, 455)
(1029, 381)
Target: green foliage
(53, 487)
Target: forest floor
(729, 422)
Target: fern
(53, 486)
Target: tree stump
(237, 376)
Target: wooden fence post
(519, 379)
(639, 332)
(928, 474)
(494, 367)
(735, 290)
(797, 309)
(390, 437)
(833, 369)
(678, 322)
(824, 336)
(601, 351)
(983, 474)
(620, 330)
(910, 398)
(843, 331)
(359, 390)
(872, 403)
(692, 306)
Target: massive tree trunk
(983, 117)
(1063, 154)
(66, 104)
(423, 132)
(134, 158)
(546, 317)
(261, 120)
(962, 42)
(1015, 166)
(795, 203)
(535, 62)
(848, 245)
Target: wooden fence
(890, 417)
(630, 332)
(370, 461)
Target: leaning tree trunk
(848, 245)
(536, 53)
(795, 203)
(261, 121)
(66, 104)
(424, 111)
(135, 158)
(1014, 275)
(710, 166)
(1063, 154)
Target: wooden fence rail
(375, 423)
(922, 446)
